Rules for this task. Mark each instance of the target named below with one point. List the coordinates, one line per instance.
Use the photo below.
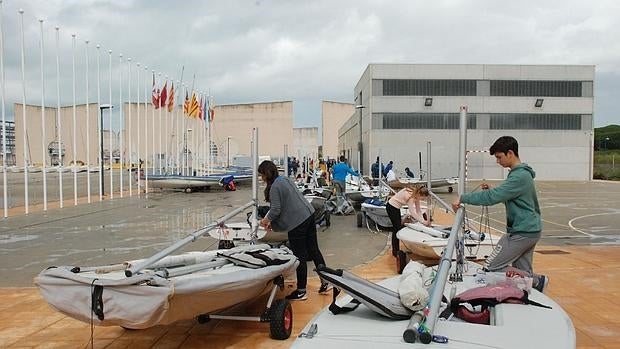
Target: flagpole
(177, 124)
(160, 127)
(4, 178)
(99, 127)
(43, 135)
(87, 125)
(121, 119)
(138, 125)
(74, 150)
(110, 150)
(24, 138)
(167, 131)
(128, 133)
(61, 153)
(153, 125)
(204, 133)
(146, 134)
(184, 138)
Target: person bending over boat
(289, 211)
(340, 171)
(409, 196)
(523, 223)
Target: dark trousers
(305, 247)
(394, 214)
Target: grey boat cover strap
(377, 298)
(254, 258)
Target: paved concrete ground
(130, 228)
(110, 231)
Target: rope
(92, 311)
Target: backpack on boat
(486, 297)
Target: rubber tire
(188, 190)
(401, 260)
(360, 219)
(450, 189)
(281, 319)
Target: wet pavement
(574, 213)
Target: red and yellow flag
(171, 99)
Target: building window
(526, 88)
(394, 87)
(535, 122)
(438, 121)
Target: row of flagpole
(172, 125)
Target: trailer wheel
(401, 260)
(188, 190)
(225, 244)
(450, 189)
(281, 319)
(360, 219)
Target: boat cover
(204, 283)
(376, 297)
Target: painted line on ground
(570, 223)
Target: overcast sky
(306, 51)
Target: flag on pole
(200, 110)
(193, 107)
(171, 99)
(163, 95)
(186, 104)
(155, 97)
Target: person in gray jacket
(289, 211)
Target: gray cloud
(306, 51)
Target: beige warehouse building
(156, 136)
(333, 116)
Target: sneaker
(325, 287)
(543, 281)
(297, 295)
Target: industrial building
(399, 108)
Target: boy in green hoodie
(523, 223)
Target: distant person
(409, 173)
(289, 211)
(340, 171)
(523, 222)
(410, 196)
(388, 167)
(390, 176)
(375, 169)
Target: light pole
(360, 145)
(228, 151)
(606, 140)
(101, 108)
(186, 171)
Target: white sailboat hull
(429, 246)
(515, 326)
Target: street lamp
(360, 145)
(228, 151)
(101, 109)
(186, 171)
(606, 140)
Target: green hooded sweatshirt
(518, 193)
